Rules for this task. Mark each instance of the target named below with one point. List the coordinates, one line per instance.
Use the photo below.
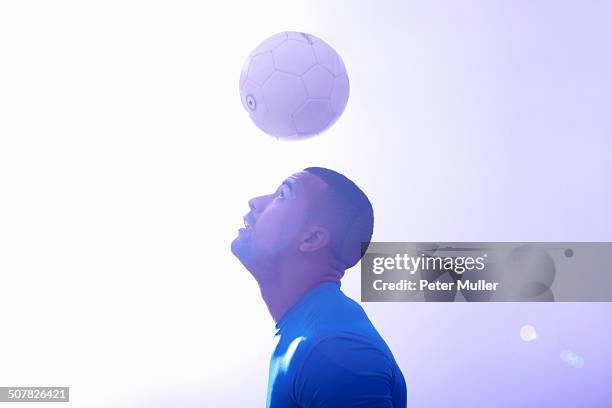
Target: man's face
(277, 221)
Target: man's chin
(241, 247)
(237, 246)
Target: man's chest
(284, 365)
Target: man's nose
(258, 204)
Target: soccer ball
(294, 85)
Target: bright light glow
(528, 333)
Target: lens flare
(528, 333)
(572, 359)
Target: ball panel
(313, 39)
(244, 72)
(281, 127)
(284, 93)
(327, 57)
(318, 81)
(313, 117)
(341, 69)
(340, 94)
(302, 37)
(261, 67)
(293, 56)
(253, 102)
(295, 35)
(269, 44)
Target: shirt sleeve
(349, 372)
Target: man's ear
(315, 238)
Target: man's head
(315, 217)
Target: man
(297, 242)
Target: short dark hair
(349, 210)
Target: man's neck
(286, 291)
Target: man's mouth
(249, 223)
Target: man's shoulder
(337, 350)
(339, 310)
(339, 322)
(346, 343)
(346, 370)
(335, 324)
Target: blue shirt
(328, 354)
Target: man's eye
(281, 195)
